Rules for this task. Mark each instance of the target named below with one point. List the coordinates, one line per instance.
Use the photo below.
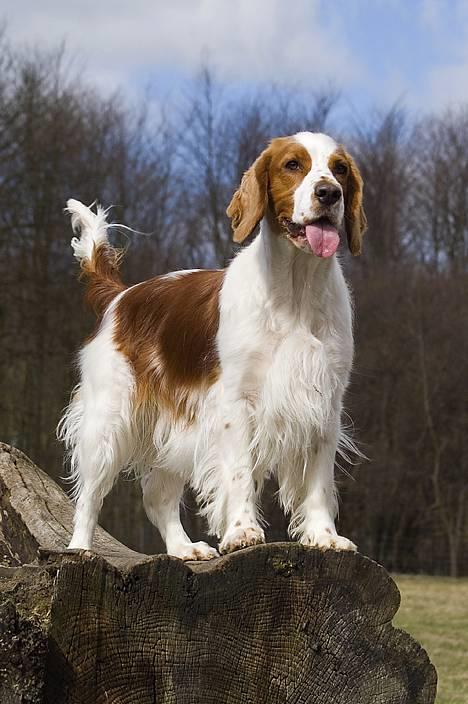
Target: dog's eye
(341, 168)
(292, 165)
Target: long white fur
(285, 346)
(92, 228)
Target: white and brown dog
(216, 378)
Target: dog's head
(309, 188)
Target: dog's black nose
(327, 193)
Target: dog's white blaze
(320, 147)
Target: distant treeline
(172, 176)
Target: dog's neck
(293, 279)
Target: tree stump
(271, 624)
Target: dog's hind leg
(96, 430)
(99, 459)
(162, 494)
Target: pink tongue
(323, 239)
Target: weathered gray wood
(36, 514)
(275, 623)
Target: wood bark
(275, 623)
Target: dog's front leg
(315, 503)
(237, 490)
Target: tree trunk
(274, 623)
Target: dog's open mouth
(321, 235)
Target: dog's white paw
(193, 551)
(327, 540)
(241, 537)
(79, 544)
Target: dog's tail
(99, 261)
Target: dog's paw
(193, 551)
(78, 544)
(327, 540)
(240, 537)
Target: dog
(217, 378)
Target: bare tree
(439, 190)
(380, 145)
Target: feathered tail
(99, 261)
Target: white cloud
(244, 39)
(299, 42)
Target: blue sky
(376, 52)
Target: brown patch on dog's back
(167, 328)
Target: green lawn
(435, 611)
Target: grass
(435, 611)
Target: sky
(376, 52)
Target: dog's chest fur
(287, 355)
(295, 379)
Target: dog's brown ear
(249, 202)
(355, 217)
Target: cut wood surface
(274, 623)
